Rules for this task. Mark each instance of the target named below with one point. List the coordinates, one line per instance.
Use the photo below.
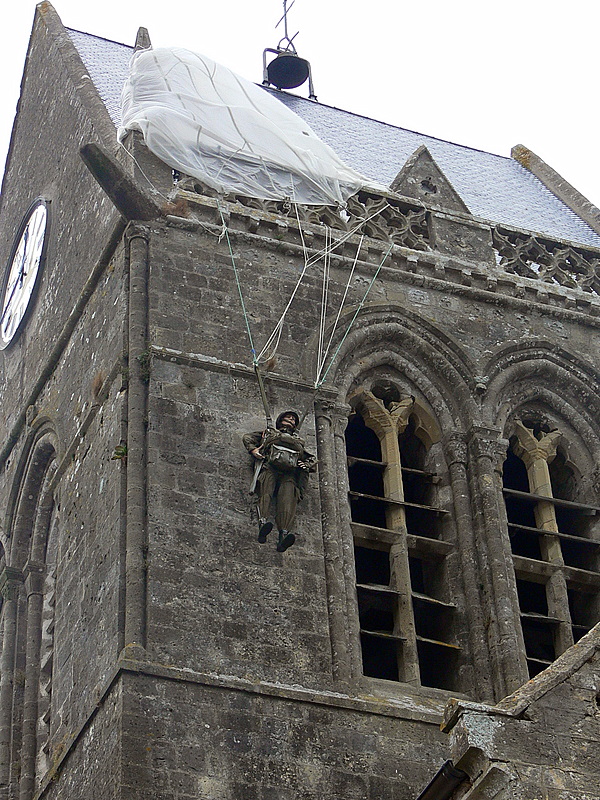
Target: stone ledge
(232, 367)
(517, 703)
(428, 709)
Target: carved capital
(135, 230)
(335, 413)
(325, 408)
(531, 449)
(455, 448)
(10, 583)
(35, 574)
(340, 419)
(487, 443)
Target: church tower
(431, 632)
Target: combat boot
(264, 529)
(286, 539)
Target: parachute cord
(317, 256)
(323, 315)
(319, 382)
(264, 357)
(321, 362)
(239, 287)
(323, 296)
(308, 262)
(278, 327)
(328, 276)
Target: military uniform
(287, 485)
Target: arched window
(46, 656)
(406, 616)
(26, 693)
(554, 541)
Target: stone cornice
(428, 269)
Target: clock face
(23, 270)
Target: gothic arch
(539, 398)
(401, 509)
(28, 642)
(547, 366)
(535, 375)
(35, 468)
(514, 353)
(394, 337)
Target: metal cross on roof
(290, 42)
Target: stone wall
(44, 161)
(541, 742)
(93, 768)
(183, 739)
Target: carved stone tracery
(384, 218)
(400, 222)
(552, 262)
(395, 221)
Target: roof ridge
(497, 188)
(389, 124)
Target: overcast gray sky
(487, 75)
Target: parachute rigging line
(239, 287)
(324, 296)
(308, 262)
(138, 165)
(321, 361)
(279, 326)
(325, 253)
(320, 380)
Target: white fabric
(202, 119)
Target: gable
(422, 179)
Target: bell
(288, 71)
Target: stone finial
(142, 40)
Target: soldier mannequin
(278, 476)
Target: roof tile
(495, 188)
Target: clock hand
(22, 272)
(18, 282)
(9, 301)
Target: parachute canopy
(200, 118)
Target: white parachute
(204, 120)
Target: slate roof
(495, 188)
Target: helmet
(285, 414)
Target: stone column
(332, 535)
(34, 588)
(537, 454)
(10, 585)
(456, 456)
(388, 424)
(340, 423)
(137, 401)
(505, 637)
